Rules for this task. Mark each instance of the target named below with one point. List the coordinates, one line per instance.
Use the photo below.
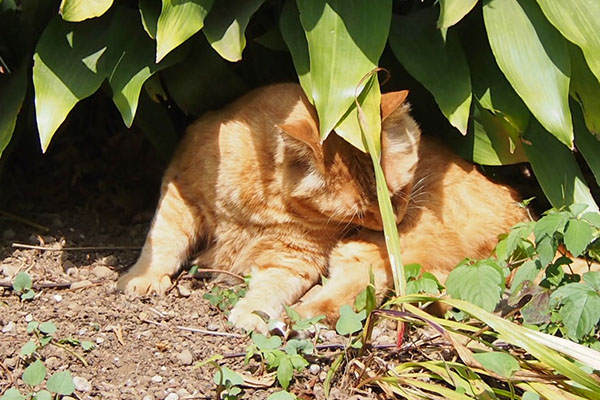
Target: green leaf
(61, 383)
(578, 21)
(78, 10)
(580, 310)
(295, 39)
(592, 278)
(27, 294)
(266, 343)
(22, 281)
(528, 271)
(28, 348)
(12, 93)
(436, 61)
(86, 345)
(295, 346)
(562, 186)
(587, 144)
(585, 89)
(47, 328)
(225, 26)
(32, 326)
(43, 395)
(196, 93)
(501, 363)
(452, 11)
(345, 41)
(534, 58)
(35, 373)
(227, 377)
(349, 321)
(282, 395)
(149, 12)
(578, 236)
(480, 283)
(412, 271)
(285, 371)
(12, 394)
(67, 67)
(530, 396)
(178, 21)
(550, 224)
(593, 218)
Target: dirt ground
(145, 348)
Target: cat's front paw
(242, 316)
(143, 284)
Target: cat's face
(334, 181)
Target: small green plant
(225, 298)
(22, 284)
(59, 383)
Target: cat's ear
(391, 101)
(305, 131)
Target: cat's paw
(143, 284)
(242, 316)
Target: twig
(24, 221)
(220, 271)
(74, 353)
(84, 248)
(52, 285)
(206, 332)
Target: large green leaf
(534, 58)
(225, 26)
(481, 283)
(179, 19)
(578, 21)
(68, 67)
(12, 93)
(581, 308)
(130, 56)
(149, 13)
(345, 41)
(452, 11)
(295, 39)
(195, 93)
(556, 169)
(78, 10)
(585, 88)
(587, 144)
(489, 141)
(436, 61)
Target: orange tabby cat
(255, 184)
(453, 212)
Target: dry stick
(206, 332)
(85, 248)
(219, 271)
(24, 221)
(50, 285)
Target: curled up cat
(256, 187)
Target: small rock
(8, 328)
(28, 318)
(100, 340)
(8, 234)
(322, 376)
(52, 363)
(81, 284)
(111, 261)
(182, 393)
(185, 357)
(156, 379)
(213, 326)
(101, 271)
(82, 384)
(72, 271)
(148, 397)
(10, 270)
(183, 290)
(67, 265)
(314, 369)
(172, 396)
(10, 362)
(328, 334)
(57, 298)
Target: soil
(77, 197)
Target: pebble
(172, 396)
(183, 290)
(328, 334)
(80, 284)
(8, 234)
(182, 393)
(82, 384)
(10, 362)
(10, 270)
(185, 357)
(314, 369)
(111, 261)
(101, 271)
(213, 326)
(322, 376)
(28, 318)
(148, 397)
(10, 327)
(156, 379)
(52, 363)
(57, 298)
(99, 340)
(67, 265)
